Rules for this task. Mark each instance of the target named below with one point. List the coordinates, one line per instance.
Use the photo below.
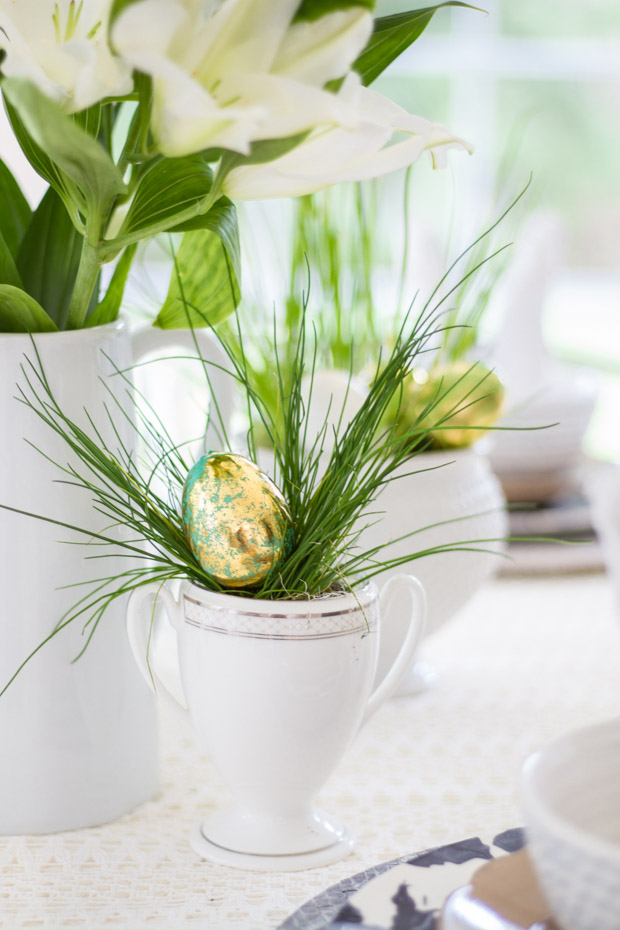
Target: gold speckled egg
(236, 520)
(465, 400)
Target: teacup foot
(273, 862)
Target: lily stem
(86, 279)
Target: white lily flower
(226, 74)
(324, 50)
(61, 46)
(330, 155)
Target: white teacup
(276, 691)
(570, 795)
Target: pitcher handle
(417, 624)
(150, 338)
(139, 623)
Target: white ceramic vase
(275, 692)
(456, 496)
(78, 740)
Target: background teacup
(570, 794)
(275, 692)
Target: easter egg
(463, 399)
(236, 520)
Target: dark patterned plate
(404, 894)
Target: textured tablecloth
(527, 660)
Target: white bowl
(568, 403)
(570, 796)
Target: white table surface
(527, 660)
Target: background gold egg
(236, 520)
(465, 399)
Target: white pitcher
(78, 739)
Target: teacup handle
(199, 343)
(417, 624)
(138, 628)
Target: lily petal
(64, 52)
(289, 107)
(150, 26)
(323, 50)
(244, 36)
(212, 41)
(22, 62)
(185, 118)
(329, 156)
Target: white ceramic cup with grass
(276, 691)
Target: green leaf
(15, 212)
(20, 313)
(205, 284)
(309, 10)
(109, 308)
(270, 149)
(143, 84)
(392, 35)
(81, 170)
(261, 152)
(44, 166)
(8, 270)
(89, 120)
(221, 220)
(168, 187)
(49, 257)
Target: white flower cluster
(226, 74)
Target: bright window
(536, 85)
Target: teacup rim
(537, 810)
(360, 598)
